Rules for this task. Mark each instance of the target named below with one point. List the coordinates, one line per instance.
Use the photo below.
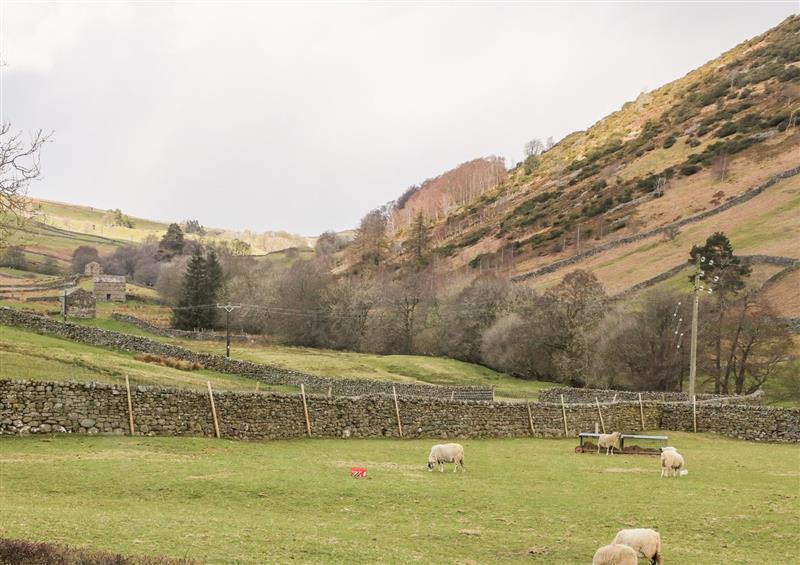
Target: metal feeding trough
(587, 446)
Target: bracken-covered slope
(690, 147)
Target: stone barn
(109, 288)
(79, 303)
(93, 269)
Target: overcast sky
(303, 118)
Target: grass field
(27, 355)
(519, 501)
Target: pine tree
(171, 244)
(213, 286)
(418, 244)
(188, 315)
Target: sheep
(446, 453)
(615, 554)
(608, 441)
(643, 541)
(671, 462)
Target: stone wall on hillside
(577, 395)
(68, 407)
(170, 332)
(219, 363)
(741, 198)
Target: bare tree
(19, 165)
(534, 147)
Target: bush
(670, 141)
(172, 362)
(688, 170)
(599, 184)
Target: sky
(304, 117)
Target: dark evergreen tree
(418, 244)
(171, 244)
(189, 314)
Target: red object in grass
(358, 472)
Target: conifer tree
(418, 244)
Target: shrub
(669, 142)
(599, 184)
(688, 170)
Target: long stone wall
(30, 407)
(264, 373)
(170, 332)
(588, 395)
(743, 197)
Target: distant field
(519, 501)
(27, 355)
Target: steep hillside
(700, 143)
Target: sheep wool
(615, 554)
(608, 442)
(446, 453)
(671, 464)
(643, 541)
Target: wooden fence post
(330, 391)
(397, 411)
(213, 409)
(530, 417)
(564, 414)
(614, 400)
(305, 408)
(599, 413)
(130, 404)
(694, 412)
(452, 395)
(257, 383)
(641, 410)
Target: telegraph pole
(228, 309)
(698, 287)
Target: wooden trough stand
(635, 450)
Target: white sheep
(608, 442)
(446, 453)
(671, 462)
(615, 554)
(643, 541)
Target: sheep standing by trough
(608, 442)
(671, 462)
(615, 554)
(446, 453)
(643, 541)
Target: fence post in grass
(614, 400)
(330, 391)
(130, 404)
(564, 414)
(397, 411)
(257, 383)
(305, 408)
(452, 395)
(530, 417)
(694, 412)
(641, 410)
(599, 413)
(213, 409)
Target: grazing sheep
(446, 453)
(644, 541)
(608, 442)
(671, 462)
(615, 554)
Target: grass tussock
(24, 552)
(172, 362)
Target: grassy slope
(768, 224)
(27, 355)
(519, 501)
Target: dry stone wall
(264, 373)
(170, 332)
(29, 407)
(588, 395)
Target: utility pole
(65, 304)
(698, 287)
(228, 309)
(578, 240)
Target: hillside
(693, 146)
(56, 229)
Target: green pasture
(519, 501)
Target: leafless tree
(19, 165)
(534, 147)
